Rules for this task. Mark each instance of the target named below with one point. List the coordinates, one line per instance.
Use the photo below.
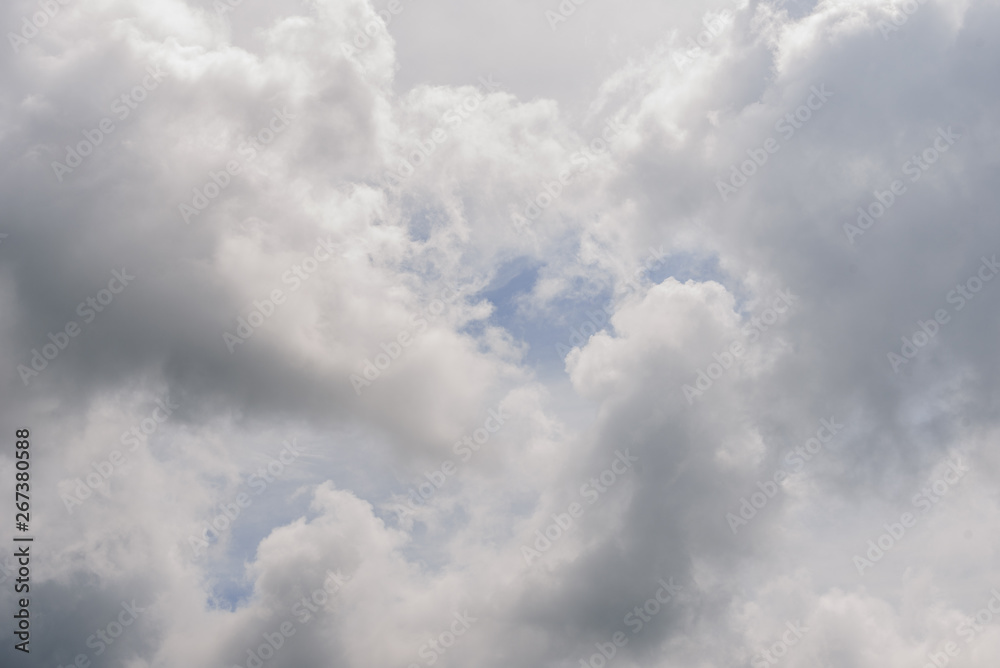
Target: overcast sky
(534, 334)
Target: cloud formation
(692, 305)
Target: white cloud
(423, 285)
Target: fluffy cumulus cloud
(531, 334)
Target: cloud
(367, 230)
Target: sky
(548, 334)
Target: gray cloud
(249, 194)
